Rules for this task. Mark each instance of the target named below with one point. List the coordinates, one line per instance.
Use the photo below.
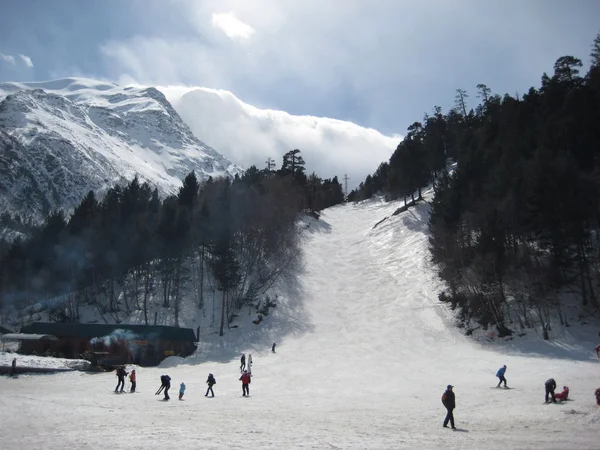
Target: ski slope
(364, 354)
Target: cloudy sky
(378, 63)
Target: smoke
(117, 336)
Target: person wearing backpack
(211, 382)
(121, 374)
(449, 402)
(166, 385)
(245, 379)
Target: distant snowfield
(364, 354)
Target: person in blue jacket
(500, 375)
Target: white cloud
(248, 135)
(232, 26)
(7, 58)
(26, 60)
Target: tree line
(515, 226)
(120, 253)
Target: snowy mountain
(61, 138)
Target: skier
(250, 360)
(500, 375)
(597, 394)
(13, 369)
(245, 379)
(211, 382)
(564, 395)
(273, 348)
(181, 390)
(449, 403)
(121, 374)
(166, 385)
(243, 362)
(550, 386)
(132, 380)
(597, 348)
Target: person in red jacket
(564, 395)
(245, 378)
(132, 379)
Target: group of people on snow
(449, 399)
(165, 380)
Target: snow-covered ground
(364, 354)
(43, 363)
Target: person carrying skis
(181, 390)
(449, 402)
(550, 386)
(211, 382)
(245, 379)
(243, 362)
(166, 385)
(500, 375)
(121, 374)
(132, 379)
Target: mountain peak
(62, 138)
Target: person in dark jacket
(13, 369)
(550, 386)
(121, 374)
(211, 382)
(166, 384)
(449, 403)
(597, 394)
(273, 348)
(243, 362)
(500, 375)
(245, 379)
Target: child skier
(132, 379)
(245, 379)
(181, 390)
(500, 375)
(211, 382)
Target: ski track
(365, 370)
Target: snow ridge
(61, 138)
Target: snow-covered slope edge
(61, 138)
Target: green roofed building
(145, 345)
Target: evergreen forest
(234, 237)
(515, 216)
